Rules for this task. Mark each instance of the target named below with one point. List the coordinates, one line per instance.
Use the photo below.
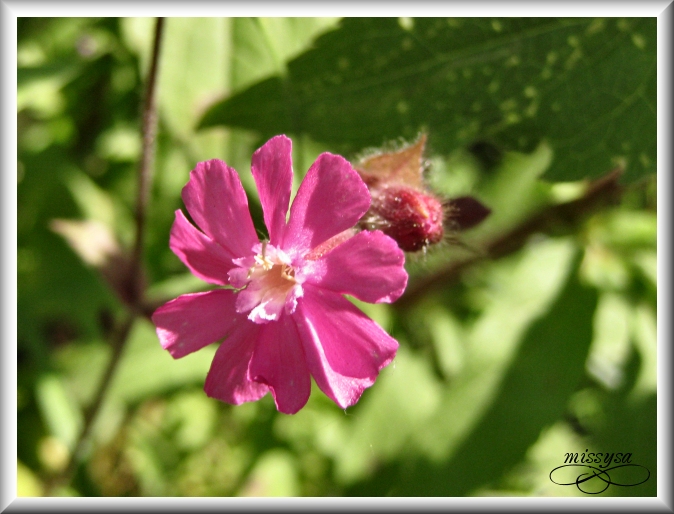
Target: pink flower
(282, 314)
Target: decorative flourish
(281, 311)
(595, 474)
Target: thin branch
(554, 220)
(145, 173)
(135, 278)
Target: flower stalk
(149, 129)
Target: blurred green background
(504, 364)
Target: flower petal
(192, 321)
(272, 168)
(331, 198)
(217, 202)
(368, 266)
(345, 350)
(228, 378)
(279, 362)
(344, 391)
(204, 257)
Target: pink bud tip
(411, 217)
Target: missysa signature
(595, 479)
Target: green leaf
(533, 394)
(587, 86)
(193, 68)
(273, 475)
(58, 410)
(261, 46)
(146, 369)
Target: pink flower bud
(402, 206)
(412, 218)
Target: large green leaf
(587, 86)
(532, 395)
(263, 45)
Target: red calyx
(412, 218)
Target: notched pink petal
(278, 361)
(192, 321)
(204, 257)
(292, 298)
(264, 304)
(353, 345)
(368, 266)
(217, 203)
(272, 168)
(331, 199)
(228, 379)
(341, 389)
(263, 307)
(238, 277)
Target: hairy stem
(149, 128)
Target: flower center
(269, 284)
